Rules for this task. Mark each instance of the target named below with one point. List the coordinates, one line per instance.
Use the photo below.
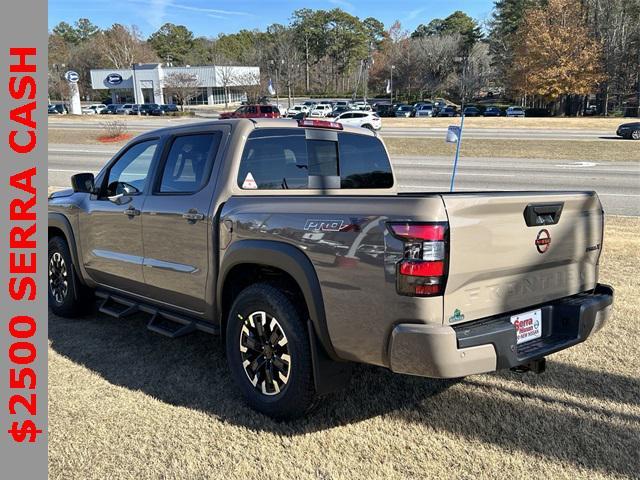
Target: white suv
(94, 109)
(360, 119)
(321, 110)
(297, 109)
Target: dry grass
(581, 123)
(125, 403)
(614, 150)
(79, 137)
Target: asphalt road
(617, 183)
(144, 124)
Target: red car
(253, 111)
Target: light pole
(391, 84)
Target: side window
(274, 159)
(130, 171)
(363, 162)
(189, 162)
(252, 109)
(267, 109)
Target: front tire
(67, 297)
(635, 135)
(268, 353)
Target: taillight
(422, 272)
(319, 124)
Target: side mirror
(83, 183)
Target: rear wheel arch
(255, 261)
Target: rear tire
(274, 372)
(67, 297)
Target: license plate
(528, 325)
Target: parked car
(591, 110)
(359, 118)
(147, 108)
(363, 106)
(169, 109)
(492, 112)
(385, 110)
(448, 112)
(57, 109)
(125, 109)
(515, 112)
(253, 111)
(320, 110)
(629, 130)
(297, 109)
(471, 112)
(343, 104)
(94, 109)
(190, 227)
(404, 110)
(424, 110)
(111, 109)
(339, 110)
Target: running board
(164, 322)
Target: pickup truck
(290, 240)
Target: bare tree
(437, 61)
(182, 86)
(122, 46)
(225, 74)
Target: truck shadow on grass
(191, 372)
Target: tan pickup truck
(290, 241)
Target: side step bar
(164, 322)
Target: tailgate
(498, 263)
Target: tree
(66, 32)
(554, 55)
(172, 43)
(310, 28)
(615, 23)
(456, 23)
(85, 30)
(182, 87)
(122, 46)
(506, 20)
(437, 62)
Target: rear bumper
(486, 345)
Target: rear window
(275, 159)
(267, 109)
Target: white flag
(270, 88)
(388, 86)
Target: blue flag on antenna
(270, 88)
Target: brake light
(422, 271)
(307, 122)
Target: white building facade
(145, 83)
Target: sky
(208, 18)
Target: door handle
(131, 212)
(193, 216)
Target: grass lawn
(125, 403)
(618, 150)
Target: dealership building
(153, 82)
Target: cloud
(156, 12)
(414, 13)
(343, 3)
